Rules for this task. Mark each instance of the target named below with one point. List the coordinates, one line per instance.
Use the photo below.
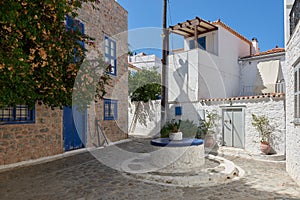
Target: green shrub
(187, 127)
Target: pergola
(192, 28)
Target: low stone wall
(21, 142)
(272, 108)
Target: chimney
(255, 47)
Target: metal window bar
(19, 113)
(294, 16)
(280, 87)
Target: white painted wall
(148, 124)
(248, 70)
(145, 61)
(230, 49)
(293, 131)
(273, 109)
(198, 74)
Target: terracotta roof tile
(268, 95)
(275, 50)
(271, 51)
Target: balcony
(250, 90)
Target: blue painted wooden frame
(30, 119)
(107, 113)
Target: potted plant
(262, 125)
(207, 128)
(171, 130)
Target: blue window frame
(110, 54)
(178, 110)
(110, 109)
(19, 114)
(201, 43)
(73, 25)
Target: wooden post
(164, 91)
(196, 36)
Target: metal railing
(250, 90)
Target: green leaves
(144, 85)
(36, 52)
(262, 125)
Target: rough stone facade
(272, 108)
(20, 142)
(293, 130)
(108, 19)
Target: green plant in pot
(207, 128)
(171, 130)
(262, 125)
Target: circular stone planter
(178, 155)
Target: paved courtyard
(83, 177)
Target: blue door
(74, 128)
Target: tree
(39, 56)
(144, 85)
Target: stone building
(292, 76)
(30, 134)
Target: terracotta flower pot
(209, 141)
(265, 148)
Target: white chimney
(255, 48)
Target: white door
(233, 131)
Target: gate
(233, 127)
(74, 128)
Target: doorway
(233, 127)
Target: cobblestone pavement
(84, 177)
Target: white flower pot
(175, 136)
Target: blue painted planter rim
(161, 142)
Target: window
(110, 109)
(16, 115)
(297, 94)
(178, 110)
(110, 54)
(201, 43)
(294, 16)
(73, 25)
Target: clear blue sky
(262, 19)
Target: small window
(17, 115)
(201, 43)
(178, 110)
(73, 25)
(297, 94)
(110, 109)
(110, 54)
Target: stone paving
(83, 177)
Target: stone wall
(20, 142)
(272, 108)
(148, 121)
(293, 131)
(108, 19)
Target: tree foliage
(37, 52)
(144, 85)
